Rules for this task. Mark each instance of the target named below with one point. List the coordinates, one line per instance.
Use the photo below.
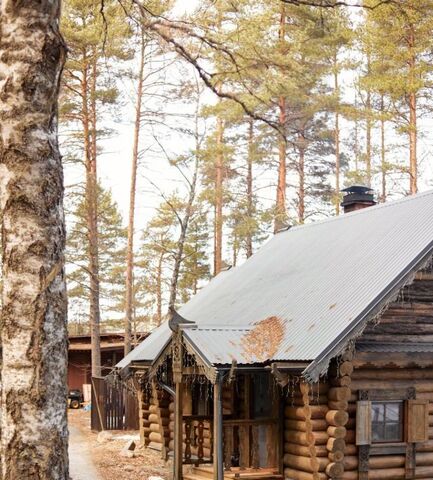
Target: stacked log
(305, 433)
(350, 448)
(171, 425)
(337, 418)
(407, 320)
(159, 419)
(391, 466)
(143, 417)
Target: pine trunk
(368, 140)
(249, 239)
(34, 432)
(383, 149)
(337, 143)
(301, 191)
(413, 169)
(235, 249)
(219, 196)
(182, 236)
(281, 185)
(91, 218)
(280, 207)
(413, 164)
(159, 290)
(368, 131)
(129, 290)
(356, 140)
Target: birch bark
(34, 433)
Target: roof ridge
(362, 211)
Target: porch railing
(197, 439)
(243, 443)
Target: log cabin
(313, 360)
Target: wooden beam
(217, 428)
(178, 433)
(177, 358)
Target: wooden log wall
(143, 417)
(383, 467)
(305, 434)
(408, 320)
(159, 419)
(339, 428)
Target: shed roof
(313, 284)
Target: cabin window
(387, 422)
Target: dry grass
(107, 458)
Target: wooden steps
(206, 473)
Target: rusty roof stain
(264, 340)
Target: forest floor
(106, 456)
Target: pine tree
(195, 268)
(111, 248)
(88, 89)
(155, 260)
(399, 39)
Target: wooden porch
(206, 473)
(248, 441)
(229, 427)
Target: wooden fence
(113, 407)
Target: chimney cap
(357, 188)
(357, 197)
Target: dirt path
(80, 462)
(93, 460)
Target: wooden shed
(311, 361)
(79, 356)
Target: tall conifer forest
(229, 121)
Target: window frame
(401, 422)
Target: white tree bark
(34, 431)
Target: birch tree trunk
(129, 295)
(34, 431)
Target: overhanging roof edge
(317, 366)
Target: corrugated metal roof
(148, 348)
(221, 345)
(313, 281)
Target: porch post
(217, 431)
(178, 434)
(177, 351)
